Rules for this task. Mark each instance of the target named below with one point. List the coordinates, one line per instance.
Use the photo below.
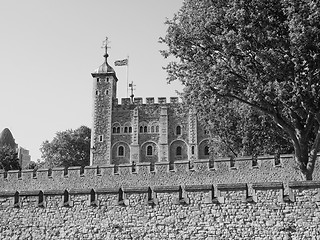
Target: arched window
(192, 150)
(120, 151)
(118, 129)
(98, 80)
(145, 129)
(130, 129)
(179, 151)
(157, 128)
(114, 130)
(152, 129)
(178, 130)
(141, 129)
(206, 150)
(107, 92)
(149, 150)
(125, 129)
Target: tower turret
(104, 92)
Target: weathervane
(105, 46)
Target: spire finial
(105, 46)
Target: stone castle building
(134, 131)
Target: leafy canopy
(9, 158)
(265, 54)
(68, 148)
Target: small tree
(68, 148)
(265, 54)
(9, 159)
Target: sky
(48, 50)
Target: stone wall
(201, 200)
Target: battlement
(229, 198)
(223, 170)
(148, 101)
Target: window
(114, 130)
(118, 129)
(107, 79)
(101, 138)
(130, 129)
(125, 129)
(179, 151)
(206, 150)
(107, 92)
(152, 129)
(149, 150)
(97, 92)
(141, 129)
(192, 150)
(178, 130)
(120, 151)
(157, 128)
(98, 80)
(145, 129)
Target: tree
(241, 130)
(265, 54)
(68, 148)
(9, 158)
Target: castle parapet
(150, 100)
(138, 101)
(162, 100)
(174, 100)
(125, 101)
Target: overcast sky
(48, 50)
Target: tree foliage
(68, 148)
(265, 54)
(9, 158)
(241, 130)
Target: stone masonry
(264, 200)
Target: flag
(123, 62)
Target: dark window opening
(125, 129)
(118, 129)
(145, 129)
(107, 92)
(157, 128)
(149, 151)
(121, 151)
(130, 129)
(192, 150)
(100, 138)
(206, 150)
(114, 130)
(178, 130)
(152, 129)
(97, 92)
(98, 80)
(141, 129)
(179, 151)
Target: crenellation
(162, 100)
(125, 101)
(150, 100)
(138, 101)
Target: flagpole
(127, 76)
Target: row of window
(106, 92)
(101, 80)
(150, 151)
(143, 129)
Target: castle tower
(104, 92)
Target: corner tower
(104, 92)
